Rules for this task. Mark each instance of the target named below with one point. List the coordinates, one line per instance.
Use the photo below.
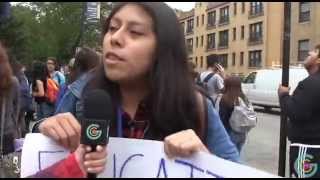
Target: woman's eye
(136, 33)
(112, 28)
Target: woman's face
(129, 45)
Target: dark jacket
(225, 112)
(303, 110)
(25, 94)
(11, 117)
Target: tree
(59, 23)
(37, 30)
(14, 38)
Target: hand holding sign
(139, 158)
(183, 143)
(64, 129)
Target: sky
(185, 6)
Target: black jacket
(303, 110)
(225, 112)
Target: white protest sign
(38, 153)
(138, 158)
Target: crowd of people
(155, 92)
(29, 95)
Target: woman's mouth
(113, 57)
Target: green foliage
(13, 37)
(37, 30)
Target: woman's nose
(117, 38)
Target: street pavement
(261, 150)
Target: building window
(256, 8)
(223, 59)
(190, 26)
(303, 50)
(182, 26)
(202, 41)
(255, 58)
(202, 20)
(190, 45)
(224, 15)
(211, 41)
(197, 21)
(241, 58)
(223, 38)
(255, 32)
(201, 62)
(234, 34)
(196, 42)
(304, 11)
(233, 59)
(211, 19)
(235, 8)
(242, 32)
(197, 61)
(243, 7)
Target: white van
(261, 86)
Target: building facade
(305, 32)
(245, 35)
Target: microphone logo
(93, 131)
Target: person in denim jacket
(146, 73)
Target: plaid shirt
(136, 127)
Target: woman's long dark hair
(233, 90)
(173, 99)
(39, 72)
(5, 72)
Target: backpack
(204, 83)
(243, 117)
(52, 91)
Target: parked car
(261, 86)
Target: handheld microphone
(96, 119)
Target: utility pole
(78, 42)
(285, 82)
(83, 23)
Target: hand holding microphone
(91, 162)
(66, 130)
(97, 115)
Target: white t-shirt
(215, 83)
